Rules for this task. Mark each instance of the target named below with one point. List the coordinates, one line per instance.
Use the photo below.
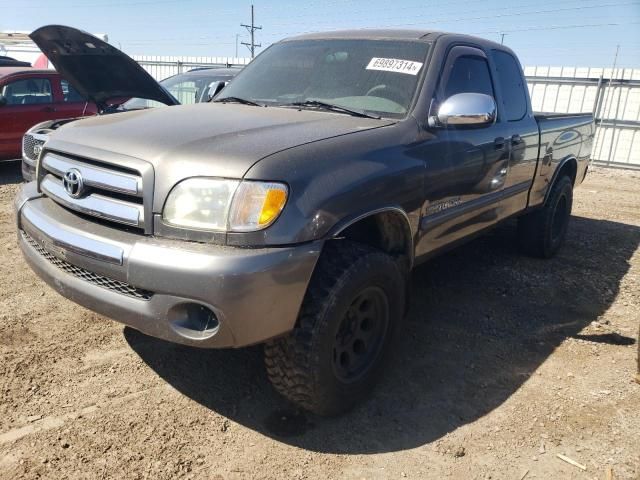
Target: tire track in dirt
(51, 422)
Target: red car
(29, 96)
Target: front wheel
(332, 359)
(541, 233)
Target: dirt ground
(503, 363)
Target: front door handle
(49, 109)
(498, 143)
(516, 139)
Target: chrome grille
(83, 274)
(108, 192)
(29, 143)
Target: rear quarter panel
(562, 137)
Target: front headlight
(224, 205)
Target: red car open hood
(97, 70)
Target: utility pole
(502, 38)
(237, 35)
(251, 29)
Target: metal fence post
(615, 137)
(597, 102)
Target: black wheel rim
(560, 214)
(361, 335)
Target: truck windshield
(370, 76)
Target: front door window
(30, 91)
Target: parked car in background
(292, 209)
(194, 86)
(102, 73)
(12, 62)
(29, 96)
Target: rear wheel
(541, 233)
(332, 359)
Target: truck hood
(97, 70)
(205, 139)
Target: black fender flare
(340, 226)
(556, 173)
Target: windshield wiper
(243, 101)
(331, 107)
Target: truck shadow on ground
(482, 320)
(10, 172)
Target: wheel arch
(387, 229)
(567, 166)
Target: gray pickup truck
(291, 209)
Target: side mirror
(465, 109)
(3, 100)
(214, 89)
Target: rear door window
(514, 98)
(29, 91)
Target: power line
(500, 31)
(110, 5)
(436, 20)
(555, 27)
(511, 13)
(251, 29)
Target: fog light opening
(194, 321)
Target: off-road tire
(542, 232)
(302, 365)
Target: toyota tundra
(290, 211)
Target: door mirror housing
(214, 89)
(465, 109)
(3, 100)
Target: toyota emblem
(37, 150)
(72, 182)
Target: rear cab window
(514, 97)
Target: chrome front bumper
(154, 285)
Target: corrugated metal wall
(161, 67)
(613, 96)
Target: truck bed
(569, 118)
(566, 131)
(562, 136)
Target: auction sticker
(394, 65)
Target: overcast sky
(545, 32)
